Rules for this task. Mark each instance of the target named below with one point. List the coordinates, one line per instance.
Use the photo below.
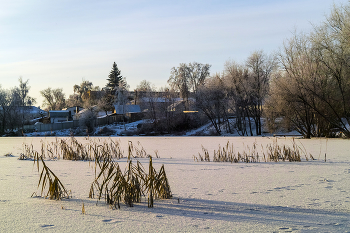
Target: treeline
(232, 100)
(304, 87)
(311, 91)
(16, 106)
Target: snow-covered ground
(307, 196)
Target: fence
(52, 126)
(109, 119)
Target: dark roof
(59, 113)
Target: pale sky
(59, 43)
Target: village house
(59, 116)
(73, 111)
(30, 112)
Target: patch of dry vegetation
(271, 152)
(56, 190)
(110, 182)
(72, 149)
(115, 186)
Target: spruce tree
(114, 78)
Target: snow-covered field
(307, 196)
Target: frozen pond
(307, 196)
(185, 147)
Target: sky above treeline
(60, 43)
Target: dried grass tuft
(56, 190)
(271, 152)
(110, 183)
(114, 186)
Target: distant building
(181, 105)
(73, 111)
(29, 112)
(59, 116)
(122, 109)
(34, 111)
(95, 109)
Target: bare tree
(260, 68)
(104, 103)
(74, 100)
(146, 97)
(54, 99)
(332, 45)
(12, 114)
(210, 98)
(22, 92)
(89, 94)
(240, 95)
(316, 77)
(5, 102)
(188, 77)
(21, 99)
(197, 74)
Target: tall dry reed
(270, 152)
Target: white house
(34, 111)
(95, 109)
(73, 110)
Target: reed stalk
(56, 190)
(110, 183)
(271, 152)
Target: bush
(87, 120)
(105, 131)
(178, 124)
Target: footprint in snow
(107, 220)
(47, 225)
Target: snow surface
(307, 196)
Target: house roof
(29, 109)
(158, 99)
(73, 108)
(59, 113)
(93, 108)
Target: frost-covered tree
(211, 99)
(54, 99)
(74, 100)
(83, 88)
(87, 120)
(22, 93)
(260, 68)
(12, 106)
(315, 82)
(187, 78)
(5, 103)
(86, 93)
